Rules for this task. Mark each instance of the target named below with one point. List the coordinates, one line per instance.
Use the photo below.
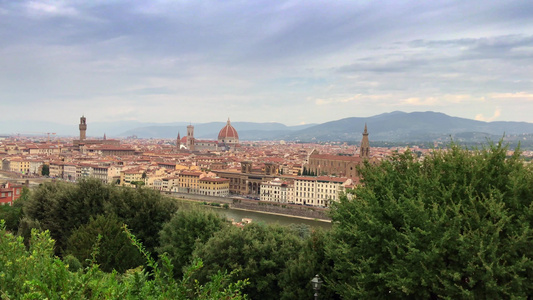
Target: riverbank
(284, 215)
(292, 210)
(263, 207)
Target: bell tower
(190, 137)
(365, 145)
(83, 128)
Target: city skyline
(289, 62)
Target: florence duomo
(228, 140)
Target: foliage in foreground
(37, 274)
(115, 252)
(13, 214)
(179, 236)
(62, 208)
(457, 225)
(266, 255)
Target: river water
(237, 215)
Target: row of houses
(261, 181)
(313, 191)
(194, 182)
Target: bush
(457, 225)
(37, 274)
(179, 236)
(62, 207)
(115, 251)
(259, 252)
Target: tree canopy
(179, 236)
(115, 250)
(266, 255)
(36, 273)
(62, 207)
(455, 225)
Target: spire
(228, 121)
(365, 145)
(178, 142)
(105, 137)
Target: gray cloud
(262, 60)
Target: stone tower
(246, 167)
(365, 145)
(83, 128)
(190, 137)
(270, 168)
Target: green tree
(63, 207)
(179, 236)
(115, 251)
(45, 170)
(36, 273)
(138, 183)
(13, 214)
(457, 225)
(258, 252)
(145, 211)
(295, 279)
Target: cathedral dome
(228, 134)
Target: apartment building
(188, 182)
(313, 191)
(9, 193)
(276, 190)
(213, 186)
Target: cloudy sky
(292, 62)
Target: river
(238, 215)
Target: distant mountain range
(412, 127)
(392, 127)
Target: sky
(293, 62)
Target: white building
(319, 191)
(36, 166)
(275, 190)
(69, 172)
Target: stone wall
(205, 198)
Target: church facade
(228, 140)
(338, 165)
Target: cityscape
(266, 150)
(311, 174)
(222, 167)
